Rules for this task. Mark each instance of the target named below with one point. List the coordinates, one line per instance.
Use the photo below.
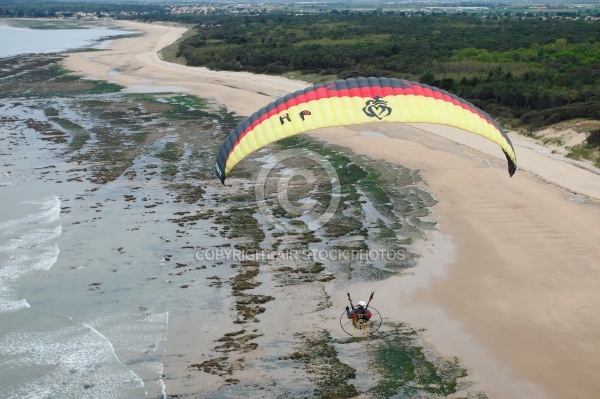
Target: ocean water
(46, 347)
(16, 40)
(87, 296)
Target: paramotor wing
(356, 101)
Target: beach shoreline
(520, 293)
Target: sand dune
(509, 284)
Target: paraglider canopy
(356, 101)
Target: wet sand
(515, 300)
(508, 285)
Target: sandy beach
(509, 282)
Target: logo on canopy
(377, 108)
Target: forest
(526, 68)
(534, 71)
(66, 8)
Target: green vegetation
(67, 124)
(593, 139)
(102, 86)
(527, 66)
(170, 53)
(170, 152)
(50, 111)
(350, 175)
(401, 366)
(530, 71)
(184, 107)
(366, 186)
(169, 170)
(406, 367)
(589, 149)
(328, 373)
(69, 9)
(78, 141)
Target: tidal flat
(161, 282)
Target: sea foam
(49, 211)
(27, 244)
(78, 362)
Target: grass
(311, 79)
(585, 151)
(169, 53)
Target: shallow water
(17, 40)
(85, 291)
